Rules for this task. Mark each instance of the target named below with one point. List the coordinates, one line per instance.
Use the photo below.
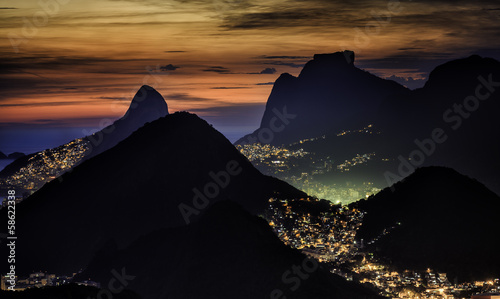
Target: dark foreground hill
(227, 254)
(164, 175)
(436, 218)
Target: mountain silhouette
(329, 95)
(14, 155)
(449, 102)
(332, 95)
(436, 218)
(146, 106)
(164, 175)
(227, 254)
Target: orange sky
(76, 61)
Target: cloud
(268, 71)
(56, 123)
(217, 69)
(32, 63)
(267, 83)
(51, 104)
(48, 122)
(415, 60)
(290, 64)
(114, 98)
(187, 98)
(410, 48)
(277, 19)
(169, 67)
(233, 115)
(8, 8)
(409, 82)
(282, 57)
(227, 87)
(175, 51)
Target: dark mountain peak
(433, 171)
(147, 102)
(146, 106)
(178, 164)
(15, 155)
(329, 95)
(434, 216)
(328, 65)
(212, 253)
(429, 174)
(285, 76)
(461, 73)
(189, 128)
(228, 220)
(444, 185)
(338, 58)
(3, 156)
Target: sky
(68, 64)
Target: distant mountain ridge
(14, 155)
(450, 102)
(460, 100)
(436, 218)
(329, 95)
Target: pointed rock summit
(146, 106)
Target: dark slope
(15, 155)
(448, 84)
(132, 189)
(447, 102)
(329, 95)
(448, 222)
(227, 254)
(146, 106)
(15, 165)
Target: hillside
(435, 218)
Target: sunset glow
(71, 63)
